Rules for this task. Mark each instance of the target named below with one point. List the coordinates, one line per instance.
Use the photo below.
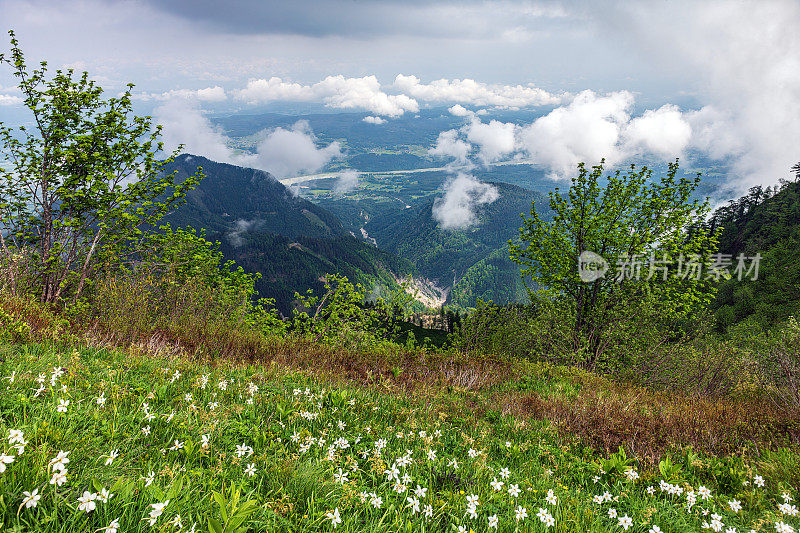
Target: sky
(617, 78)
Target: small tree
(635, 221)
(82, 182)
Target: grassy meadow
(98, 439)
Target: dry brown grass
(409, 370)
(649, 423)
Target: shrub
(12, 329)
(780, 365)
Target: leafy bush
(780, 365)
(625, 218)
(343, 317)
(79, 186)
(495, 329)
(12, 329)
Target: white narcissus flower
(625, 522)
(113, 454)
(341, 477)
(551, 497)
(155, 512)
(112, 527)
(59, 477)
(5, 460)
(334, 517)
(520, 513)
(493, 521)
(87, 501)
(375, 500)
(62, 405)
(15, 436)
(735, 505)
(105, 495)
(250, 470)
(514, 491)
(413, 504)
(31, 499)
(545, 517)
(787, 508)
(60, 461)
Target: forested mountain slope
(766, 221)
(290, 241)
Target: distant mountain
(234, 199)
(473, 261)
(290, 241)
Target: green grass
(304, 434)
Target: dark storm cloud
(361, 19)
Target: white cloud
(449, 145)
(286, 153)
(335, 91)
(495, 139)
(184, 124)
(346, 181)
(460, 111)
(744, 56)
(715, 133)
(282, 152)
(211, 94)
(664, 132)
(241, 227)
(586, 130)
(590, 128)
(374, 120)
(262, 90)
(10, 99)
(208, 94)
(366, 93)
(463, 195)
(468, 91)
